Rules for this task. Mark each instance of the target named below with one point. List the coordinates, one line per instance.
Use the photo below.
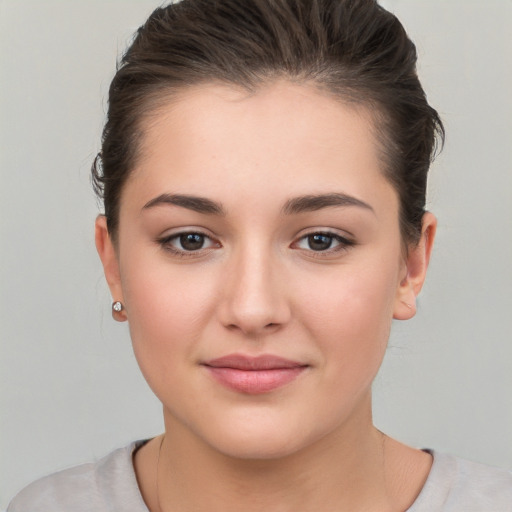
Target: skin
(257, 287)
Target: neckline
(133, 447)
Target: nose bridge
(254, 298)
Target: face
(259, 261)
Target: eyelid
(346, 236)
(165, 242)
(344, 242)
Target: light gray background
(70, 388)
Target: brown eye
(323, 242)
(319, 242)
(187, 243)
(191, 241)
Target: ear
(108, 256)
(416, 265)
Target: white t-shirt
(453, 485)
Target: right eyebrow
(195, 203)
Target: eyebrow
(197, 204)
(311, 203)
(301, 204)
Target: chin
(265, 440)
(268, 447)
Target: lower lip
(255, 381)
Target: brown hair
(352, 48)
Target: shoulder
(109, 482)
(456, 484)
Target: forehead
(282, 136)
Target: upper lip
(262, 362)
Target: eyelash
(343, 244)
(166, 243)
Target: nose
(253, 298)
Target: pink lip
(254, 375)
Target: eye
(323, 242)
(191, 241)
(187, 242)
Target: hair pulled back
(353, 48)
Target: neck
(346, 470)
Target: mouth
(254, 375)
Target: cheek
(349, 313)
(168, 308)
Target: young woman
(263, 172)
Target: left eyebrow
(311, 203)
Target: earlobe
(416, 270)
(108, 256)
